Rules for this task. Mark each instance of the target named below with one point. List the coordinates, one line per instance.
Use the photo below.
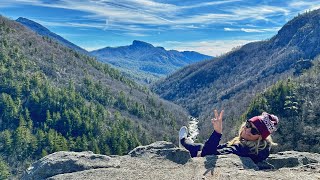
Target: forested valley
(53, 99)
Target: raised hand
(217, 121)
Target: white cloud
(210, 47)
(231, 29)
(307, 5)
(118, 14)
(304, 3)
(205, 4)
(104, 9)
(5, 4)
(136, 34)
(205, 19)
(70, 24)
(155, 13)
(253, 30)
(8, 3)
(151, 6)
(260, 12)
(104, 26)
(182, 27)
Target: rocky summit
(163, 160)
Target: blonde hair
(255, 146)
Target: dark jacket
(212, 147)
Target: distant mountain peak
(43, 31)
(137, 43)
(23, 19)
(29, 22)
(146, 63)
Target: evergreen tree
(4, 169)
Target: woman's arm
(210, 146)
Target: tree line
(297, 104)
(39, 115)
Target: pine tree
(4, 169)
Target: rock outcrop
(69, 162)
(162, 160)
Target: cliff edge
(163, 160)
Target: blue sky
(211, 27)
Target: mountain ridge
(130, 59)
(46, 32)
(232, 80)
(145, 62)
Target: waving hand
(217, 121)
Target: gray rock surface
(68, 162)
(162, 160)
(162, 149)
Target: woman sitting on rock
(253, 140)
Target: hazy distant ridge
(146, 63)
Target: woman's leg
(193, 148)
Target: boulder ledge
(163, 160)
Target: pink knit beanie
(265, 123)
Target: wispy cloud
(205, 4)
(253, 30)
(155, 13)
(259, 12)
(136, 34)
(105, 26)
(70, 24)
(230, 29)
(143, 18)
(5, 4)
(307, 5)
(205, 19)
(236, 14)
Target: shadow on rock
(247, 163)
(210, 164)
(177, 155)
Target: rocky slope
(162, 160)
(144, 62)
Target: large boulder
(163, 160)
(68, 162)
(162, 149)
(293, 159)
